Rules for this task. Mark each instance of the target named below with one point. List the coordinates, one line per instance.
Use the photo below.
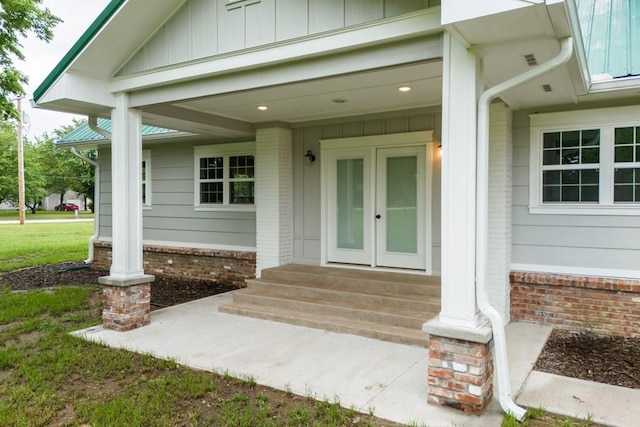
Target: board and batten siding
(172, 218)
(203, 28)
(306, 177)
(566, 243)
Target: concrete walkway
(363, 373)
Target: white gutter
(93, 125)
(482, 202)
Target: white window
(146, 178)
(224, 176)
(586, 162)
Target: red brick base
(578, 303)
(460, 374)
(224, 267)
(126, 307)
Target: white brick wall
(499, 238)
(274, 198)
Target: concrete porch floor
(361, 372)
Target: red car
(66, 207)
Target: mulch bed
(165, 291)
(608, 360)
(604, 359)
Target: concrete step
(388, 333)
(331, 295)
(349, 311)
(388, 306)
(357, 281)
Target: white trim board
(189, 245)
(577, 271)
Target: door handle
(378, 216)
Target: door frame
(328, 147)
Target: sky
(42, 57)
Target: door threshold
(381, 269)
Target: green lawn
(13, 215)
(48, 377)
(39, 244)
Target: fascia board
(79, 88)
(397, 28)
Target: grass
(48, 377)
(39, 244)
(6, 215)
(537, 417)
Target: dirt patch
(165, 291)
(604, 359)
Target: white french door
(400, 207)
(376, 206)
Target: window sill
(225, 208)
(147, 207)
(619, 210)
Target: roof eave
(77, 48)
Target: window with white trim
(225, 176)
(585, 162)
(146, 178)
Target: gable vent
(546, 88)
(531, 60)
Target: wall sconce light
(310, 157)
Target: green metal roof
(75, 50)
(611, 33)
(83, 133)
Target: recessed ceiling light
(404, 88)
(262, 107)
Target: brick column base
(460, 373)
(127, 303)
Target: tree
(18, 18)
(34, 182)
(62, 171)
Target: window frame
(146, 179)
(225, 151)
(604, 119)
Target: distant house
(374, 134)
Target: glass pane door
(350, 194)
(400, 207)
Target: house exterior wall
(306, 177)
(203, 28)
(571, 271)
(604, 245)
(172, 219)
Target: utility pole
(20, 165)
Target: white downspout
(93, 125)
(96, 202)
(482, 202)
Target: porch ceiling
(361, 93)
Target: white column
(499, 237)
(460, 88)
(274, 198)
(126, 181)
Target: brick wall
(577, 303)
(225, 267)
(499, 215)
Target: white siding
(306, 177)
(172, 217)
(203, 28)
(575, 243)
